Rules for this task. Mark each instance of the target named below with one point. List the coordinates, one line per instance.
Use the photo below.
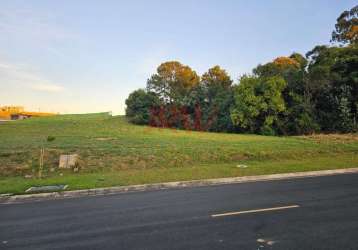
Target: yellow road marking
(255, 211)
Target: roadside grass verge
(18, 185)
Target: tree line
(290, 95)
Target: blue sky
(87, 56)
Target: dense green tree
(209, 102)
(258, 102)
(216, 77)
(219, 99)
(298, 117)
(139, 104)
(333, 83)
(300, 59)
(283, 66)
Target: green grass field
(114, 152)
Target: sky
(86, 56)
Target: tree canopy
(258, 101)
(290, 95)
(172, 81)
(346, 28)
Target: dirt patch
(104, 139)
(339, 138)
(16, 163)
(240, 157)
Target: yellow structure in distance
(18, 113)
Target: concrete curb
(9, 199)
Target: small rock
(61, 174)
(28, 176)
(52, 169)
(261, 240)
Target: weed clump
(50, 138)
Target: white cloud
(5, 66)
(41, 31)
(31, 24)
(47, 87)
(16, 75)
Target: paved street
(311, 213)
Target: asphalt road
(324, 215)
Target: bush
(138, 107)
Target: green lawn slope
(114, 152)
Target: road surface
(310, 213)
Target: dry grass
(335, 138)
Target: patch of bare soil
(340, 138)
(104, 138)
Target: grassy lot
(114, 152)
